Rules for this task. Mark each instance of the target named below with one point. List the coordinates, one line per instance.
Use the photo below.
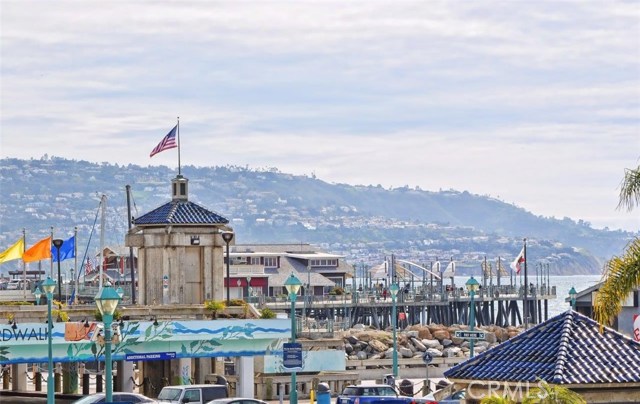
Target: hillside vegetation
(364, 223)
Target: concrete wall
(172, 270)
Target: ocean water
(562, 284)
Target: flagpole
(526, 289)
(75, 262)
(179, 166)
(24, 264)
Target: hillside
(362, 222)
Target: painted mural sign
(80, 342)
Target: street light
(120, 292)
(49, 285)
(472, 286)
(249, 289)
(57, 243)
(227, 236)
(107, 300)
(37, 293)
(572, 296)
(394, 292)
(292, 285)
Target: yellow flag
(14, 252)
(39, 251)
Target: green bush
(236, 303)
(267, 313)
(117, 315)
(214, 306)
(337, 291)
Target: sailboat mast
(129, 220)
(103, 204)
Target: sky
(533, 103)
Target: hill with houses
(363, 223)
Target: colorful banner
(75, 342)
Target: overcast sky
(535, 103)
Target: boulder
(348, 348)
(490, 337)
(432, 343)
(434, 352)
(446, 342)
(358, 327)
(352, 340)
(441, 334)
(451, 351)
(378, 346)
(405, 352)
(361, 355)
(419, 345)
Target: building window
(330, 262)
(271, 262)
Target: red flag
(88, 267)
(515, 265)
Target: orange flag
(39, 251)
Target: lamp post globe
(107, 300)
(57, 243)
(49, 286)
(37, 294)
(472, 286)
(394, 321)
(293, 284)
(227, 236)
(572, 297)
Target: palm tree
(621, 274)
(496, 399)
(553, 394)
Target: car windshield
(169, 394)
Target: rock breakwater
(364, 343)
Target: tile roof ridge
(563, 349)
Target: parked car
(370, 394)
(237, 400)
(454, 398)
(118, 397)
(192, 393)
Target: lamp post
(472, 286)
(37, 293)
(57, 243)
(227, 236)
(572, 296)
(107, 300)
(248, 288)
(292, 285)
(394, 292)
(49, 286)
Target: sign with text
(292, 355)
(470, 334)
(150, 356)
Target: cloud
(536, 102)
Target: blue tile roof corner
(566, 349)
(180, 212)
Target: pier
(495, 305)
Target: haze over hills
(364, 223)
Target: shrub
(214, 306)
(267, 313)
(337, 291)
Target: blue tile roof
(566, 349)
(180, 212)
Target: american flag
(88, 267)
(168, 142)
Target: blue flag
(67, 250)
